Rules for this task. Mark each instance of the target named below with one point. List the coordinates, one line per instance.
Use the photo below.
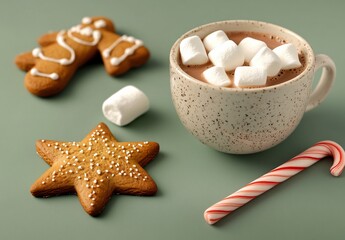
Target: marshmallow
(247, 76)
(227, 55)
(192, 51)
(214, 39)
(288, 56)
(125, 105)
(250, 46)
(217, 76)
(267, 59)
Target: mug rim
(174, 55)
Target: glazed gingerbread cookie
(95, 168)
(51, 66)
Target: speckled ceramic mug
(247, 120)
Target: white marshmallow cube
(125, 105)
(268, 60)
(217, 76)
(247, 76)
(192, 51)
(227, 55)
(215, 39)
(250, 46)
(288, 56)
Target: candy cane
(285, 171)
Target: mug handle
(325, 83)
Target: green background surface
(190, 176)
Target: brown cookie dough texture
(51, 66)
(95, 168)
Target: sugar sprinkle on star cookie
(95, 168)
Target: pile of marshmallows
(226, 55)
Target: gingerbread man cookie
(51, 66)
(95, 168)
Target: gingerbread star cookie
(95, 168)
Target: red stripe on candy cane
(280, 174)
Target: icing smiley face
(89, 31)
(98, 23)
(51, 66)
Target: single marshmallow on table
(250, 46)
(217, 76)
(247, 76)
(267, 59)
(227, 55)
(125, 105)
(192, 51)
(288, 56)
(215, 39)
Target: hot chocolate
(196, 71)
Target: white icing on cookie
(100, 24)
(86, 20)
(78, 29)
(60, 39)
(86, 31)
(129, 51)
(37, 52)
(52, 76)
